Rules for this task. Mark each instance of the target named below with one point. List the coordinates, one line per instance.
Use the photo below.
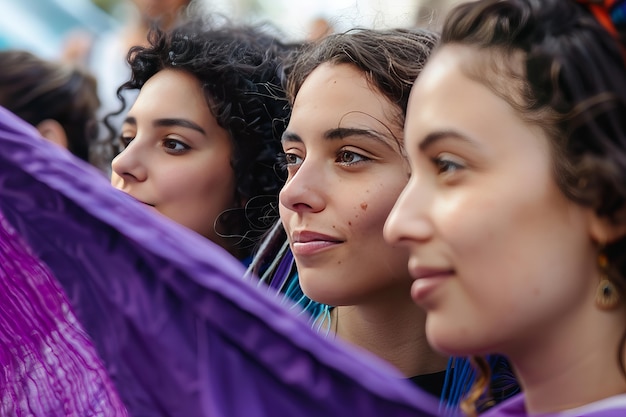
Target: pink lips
(305, 243)
(427, 280)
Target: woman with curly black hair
(200, 142)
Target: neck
(574, 366)
(394, 332)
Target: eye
(125, 140)
(175, 146)
(447, 165)
(292, 159)
(287, 160)
(350, 158)
(122, 143)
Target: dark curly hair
(37, 89)
(564, 72)
(241, 72)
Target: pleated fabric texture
(177, 329)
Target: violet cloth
(177, 328)
(49, 366)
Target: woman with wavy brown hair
(514, 214)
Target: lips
(425, 272)
(427, 281)
(305, 243)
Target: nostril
(300, 206)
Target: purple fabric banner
(177, 328)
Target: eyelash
(358, 155)
(284, 162)
(124, 141)
(446, 165)
(170, 141)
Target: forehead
(174, 92)
(501, 70)
(450, 96)
(334, 95)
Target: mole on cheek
(364, 206)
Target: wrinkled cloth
(49, 366)
(179, 330)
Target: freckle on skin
(364, 206)
(349, 223)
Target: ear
(53, 131)
(603, 230)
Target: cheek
(196, 189)
(371, 208)
(218, 186)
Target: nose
(128, 165)
(410, 221)
(305, 190)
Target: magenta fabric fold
(49, 365)
(178, 329)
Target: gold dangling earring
(607, 295)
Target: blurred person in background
(59, 99)
(431, 13)
(319, 28)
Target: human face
(178, 157)
(345, 171)
(500, 258)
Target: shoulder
(609, 407)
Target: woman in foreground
(514, 214)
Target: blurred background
(72, 54)
(43, 26)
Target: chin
(323, 297)
(451, 340)
(317, 292)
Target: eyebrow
(170, 122)
(338, 134)
(432, 138)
